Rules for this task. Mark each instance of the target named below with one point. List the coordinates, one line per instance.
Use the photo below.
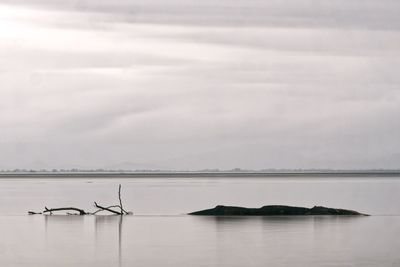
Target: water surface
(159, 234)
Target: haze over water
(159, 234)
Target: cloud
(362, 14)
(277, 84)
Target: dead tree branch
(99, 210)
(107, 209)
(120, 201)
(119, 197)
(33, 213)
(80, 211)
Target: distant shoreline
(305, 174)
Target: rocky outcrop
(274, 210)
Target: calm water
(159, 234)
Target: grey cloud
(192, 85)
(364, 14)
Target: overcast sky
(188, 84)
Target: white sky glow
(96, 86)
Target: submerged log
(34, 213)
(274, 210)
(82, 212)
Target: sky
(190, 85)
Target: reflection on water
(295, 241)
(82, 236)
(181, 240)
(198, 241)
(278, 222)
(104, 223)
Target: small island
(274, 210)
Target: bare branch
(107, 209)
(119, 197)
(81, 212)
(120, 202)
(33, 213)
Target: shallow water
(159, 234)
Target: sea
(160, 233)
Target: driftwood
(120, 201)
(80, 211)
(108, 209)
(120, 210)
(104, 208)
(33, 213)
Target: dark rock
(273, 210)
